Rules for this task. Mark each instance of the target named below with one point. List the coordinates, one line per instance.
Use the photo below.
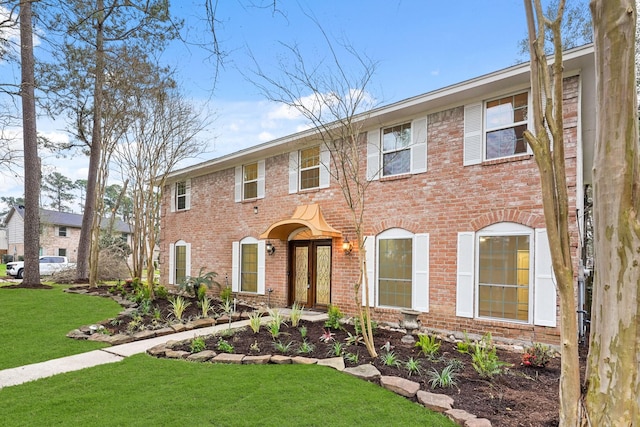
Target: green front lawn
(144, 391)
(34, 323)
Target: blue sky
(420, 45)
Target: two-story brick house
(454, 217)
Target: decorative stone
(202, 356)
(408, 339)
(77, 334)
(176, 354)
(100, 338)
(164, 331)
(434, 401)
(410, 319)
(336, 363)
(459, 416)
(201, 323)
(179, 327)
(157, 350)
(400, 386)
(366, 372)
(280, 360)
(256, 360)
(299, 360)
(478, 422)
(235, 359)
(244, 315)
(143, 335)
(117, 339)
(222, 319)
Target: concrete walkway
(76, 362)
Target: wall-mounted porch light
(255, 209)
(347, 246)
(270, 248)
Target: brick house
(59, 235)
(454, 218)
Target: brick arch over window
(527, 218)
(390, 223)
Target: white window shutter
(325, 164)
(237, 189)
(187, 197)
(373, 155)
(544, 299)
(187, 251)
(472, 134)
(293, 172)
(173, 197)
(466, 267)
(261, 175)
(421, 273)
(235, 266)
(370, 248)
(419, 145)
(261, 266)
(172, 264)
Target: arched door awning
(308, 216)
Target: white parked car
(49, 265)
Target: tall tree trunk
(613, 381)
(31, 159)
(84, 246)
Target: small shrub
(358, 328)
(390, 359)
(537, 356)
(255, 320)
(336, 350)
(202, 292)
(444, 379)
(412, 366)
(296, 314)
(303, 331)
(276, 322)
(192, 284)
(306, 347)
(335, 315)
(465, 345)
(224, 346)
(205, 306)
(484, 359)
(225, 294)
(429, 345)
(282, 347)
(161, 292)
(352, 358)
(178, 306)
(197, 345)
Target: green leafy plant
(282, 347)
(202, 292)
(537, 356)
(336, 350)
(335, 315)
(443, 379)
(465, 345)
(192, 284)
(255, 320)
(353, 339)
(276, 322)
(296, 314)
(255, 347)
(390, 359)
(145, 306)
(226, 306)
(157, 313)
(205, 306)
(161, 292)
(306, 347)
(358, 329)
(225, 294)
(456, 364)
(484, 359)
(429, 345)
(197, 345)
(224, 346)
(303, 331)
(412, 366)
(178, 306)
(352, 358)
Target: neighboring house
(59, 235)
(454, 215)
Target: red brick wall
(447, 199)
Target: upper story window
(249, 181)
(495, 129)
(181, 197)
(309, 169)
(396, 151)
(62, 231)
(505, 122)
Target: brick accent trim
(403, 223)
(527, 218)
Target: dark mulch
(27, 286)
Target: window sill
(502, 160)
(395, 177)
